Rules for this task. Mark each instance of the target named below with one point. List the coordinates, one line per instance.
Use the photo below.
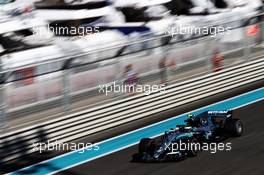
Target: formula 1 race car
(212, 125)
(207, 127)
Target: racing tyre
(194, 150)
(146, 145)
(234, 127)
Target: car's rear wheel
(234, 127)
(146, 145)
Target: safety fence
(63, 82)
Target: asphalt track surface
(246, 156)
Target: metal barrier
(19, 143)
(60, 89)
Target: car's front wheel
(194, 148)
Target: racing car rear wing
(215, 113)
(227, 113)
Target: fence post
(262, 30)
(210, 45)
(3, 124)
(66, 90)
(246, 47)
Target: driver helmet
(190, 115)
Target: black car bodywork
(209, 126)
